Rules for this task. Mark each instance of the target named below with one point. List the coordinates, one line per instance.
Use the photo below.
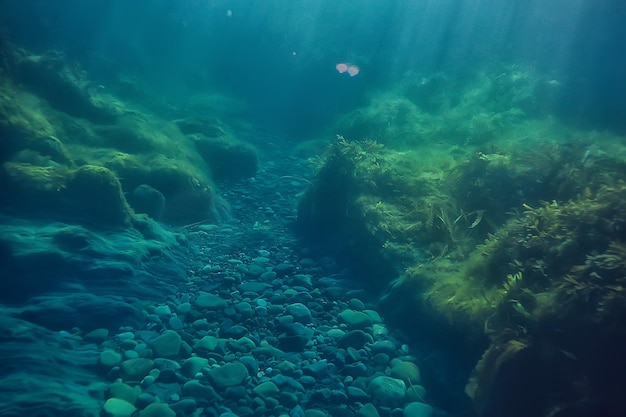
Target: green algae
(76, 150)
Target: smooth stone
(355, 319)
(162, 311)
(163, 363)
(317, 370)
(266, 389)
(300, 313)
(229, 375)
(380, 330)
(206, 301)
(381, 359)
(167, 345)
(235, 393)
(267, 276)
(115, 407)
(251, 363)
(123, 392)
(308, 380)
(201, 324)
(312, 412)
(283, 382)
(288, 399)
(109, 358)
(292, 343)
(252, 286)
(357, 394)
(283, 269)
(175, 323)
(286, 368)
(335, 333)
(356, 304)
(157, 410)
(418, 409)
(355, 338)
(130, 354)
(368, 410)
(245, 344)
(355, 369)
(184, 308)
(134, 370)
(207, 344)
(234, 332)
(267, 352)
(243, 308)
(144, 399)
(416, 393)
(97, 335)
(168, 376)
(147, 381)
(386, 391)
(255, 270)
(193, 365)
(384, 346)
(374, 316)
(197, 390)
(126, 336)
(184, 407)
(303, 280)
(406, 371)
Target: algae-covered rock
(90, 194)
(61, 131)
(147, 200)
(476, 257)
(95, 193)
(65, 88)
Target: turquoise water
(308, 208)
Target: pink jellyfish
(341, 67)
(353, 70)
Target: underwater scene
(312, 208)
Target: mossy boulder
(89, 194)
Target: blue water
(281, 56)
(207, 116)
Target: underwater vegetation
(513, 244)
(422, 109)
(73, 150)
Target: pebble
(262, 329)
(406, 371)
(386, 391)
(134, 370)
(167, 345)
(109, 358)
(266, 389)
(300, 313)
(193, 365)
(418, 409)
(157, 410)
(228, 375)
(355, 319)
(368, 410)
(115, 407)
